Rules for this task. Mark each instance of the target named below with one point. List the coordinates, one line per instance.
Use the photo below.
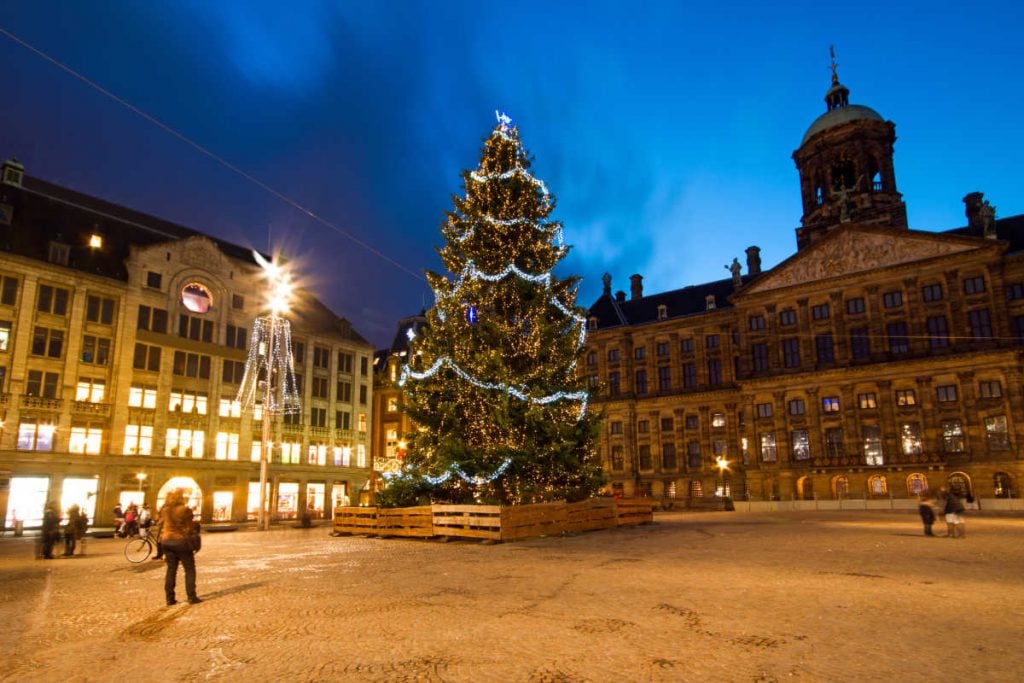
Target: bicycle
(138, 548)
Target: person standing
(118, 521)
(50, 531)
(71, 531)
(924, 508)
(954, 512)
(176, 526)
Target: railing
(89, 408)
(40, 402)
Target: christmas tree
(491, 381)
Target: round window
(196, 297)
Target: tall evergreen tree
(492, 382)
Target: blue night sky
(664, 129)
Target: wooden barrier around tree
(494, 522)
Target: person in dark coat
(924, 508)
(176, 526)
(72, 530)
(50, 531)
(953, 508)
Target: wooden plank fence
(494, 522)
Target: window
(99, 310)
(345, 362)
(641, 381)
(830, 404)
(718, 420)
(872, 439)
(95, 350)
(187, 402)
(791, 352)
(897, 334)
(84, 439)
(692, 422)
(686, 345)
(801, 445)
(361, 422)
(196, 297)
(769, 451)
(910, 438)
(906, 397)
(317, 417)
(8, 290)
(990, 389)
(290, 454)
(5, 335)
(317, 454)
(35, 435)
(644, 456)
(662, 312)
(667, 424)
(714, 371)
(142, 397)
(764, 409)
(711, 341)
(191, 365)
(1014, 291)
(362, 394)
(877, 485)
(662, 349)
(787, 317)
(184, 443)
(639, 353)
(820, 312)
(979, 323)
(152, 319)
(238, 302)
(318, 387)
(664, 378)
(592, 359)
(153, 280)
(946, 393)
(867, 401)
(823, 348)
(227, 446)
(618, 462)
(996, 435)
(855, 305)
(759, 357)
(1017, 328)
(232, 372)
(41, 384)
(892, 299)
(938, 331)
(234, 337)
(797, 406)
(342, 419)
(689, 375)
(52, 300)
(756, 322)
(952, 436)
(613, 383)
(931, 293)
(90, 390)
(693, 456)
(860, 346)
(613, 355)
(642, 426)
(138, 440)
(196, 329)
(974, 285)
(343, 392)
(668, 456)
(321, 357)
(392, 406)
(834, 442)
(364, 366)
(229, 407)
(616, 427)
(47, 342)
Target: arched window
(959, 483)
(841, 487)
(917, 484)
(877, 486)
(1002, 485)
(196, 297)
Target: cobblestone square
(839, 596)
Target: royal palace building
(876, 361)
(124, 340)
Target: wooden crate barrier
(355, 520)
(590, 515)
(414, 521)
(494, 522)
(469, 521)
(633, 511)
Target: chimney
(13, 172)
(636, 286)
(620, 296)
(972, 204)
(753, 261)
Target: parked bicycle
(138, 548)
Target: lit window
(830, 404)
(227, 446)
(717, 419)
(196, 297)
(910, 438)
(184, 443)
(230, 408)
(35, 436)
(90, 390)
(360, 455)
(393, 404)
(85, 440)
(138, 440)
(96, 241)
(142, 397)
(362, 422)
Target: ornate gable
(858, 249)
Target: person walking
(71, 530)
(50, 531)
(176, 527)
(953, 509)
(118, 521)
(924, 508)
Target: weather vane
(834, 63)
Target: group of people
(952, 508)
(74, 530)
(129, 522)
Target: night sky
(664, 129)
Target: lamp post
(722, 465)
(141, 476)
(270, 353)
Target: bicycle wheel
(137, 549)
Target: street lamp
(722, 464)
(270, 355)
(141, 476)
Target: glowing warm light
(722, 464)
(279, 283)
(96, 241)
(141, 476)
